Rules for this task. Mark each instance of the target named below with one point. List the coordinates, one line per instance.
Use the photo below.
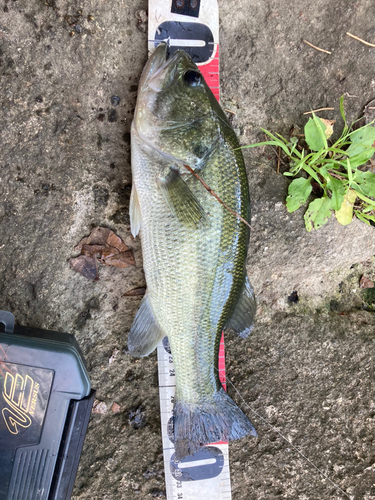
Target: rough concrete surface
(64, 159)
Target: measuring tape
(192, 25)
(204, 474)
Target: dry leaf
(366, 283)
(92, 249)
(122, 259)
(369, 112)
(345, 215)
(329, 127)
(136, 292)
(98, 236)
(105, 245)
(86, 266)
(115, 241)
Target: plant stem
(216, 196)
(336, 175)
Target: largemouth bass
(194, 249)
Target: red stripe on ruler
(210, 73)
(221, 366)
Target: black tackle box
(45, 406)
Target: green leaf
(362, 158)
(282, 138)
(364, 198)
(318, 213)
(364, 217)
(314, 134)
(299, 190)
(268, 143)
(294, 146)
(367, 208)
(296, 167)
(323, 172)
(364, 136)
(345, 215)
(365, 182)
(313, 174)
(342, 111)
(361, 148)
(350, 173)
(337, 189)
(278, 141)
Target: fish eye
(192, 78)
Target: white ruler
(205, 475)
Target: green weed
(347, 186)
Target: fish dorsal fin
(182, 202)
(135, 212)
(242, 319)
(145, 333)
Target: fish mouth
(161, 70)
(155, 62)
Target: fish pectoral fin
(242, 319)
(145, 333)
(182, 202)
(135, 212)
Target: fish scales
(194, 249)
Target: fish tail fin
(217, 420)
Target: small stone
(293, 298)
(113, 356)
(112, 116)
(115, 100)
(115, 408)
(99, 407)
(366, 283)
(141, 20)
(137, 417)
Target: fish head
(176, 112)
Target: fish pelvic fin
(217, 420)
(145, 333)
(135, 212)
(181, 201)
(242, 319)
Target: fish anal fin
(145, 333)
(181, 201)
(135, 212)
(242, 319)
